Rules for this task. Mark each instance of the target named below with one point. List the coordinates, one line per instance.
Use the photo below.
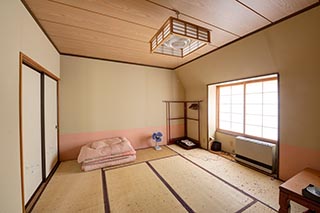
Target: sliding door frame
(25, 60)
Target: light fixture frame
(177, 27)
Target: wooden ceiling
(120, 30)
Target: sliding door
(51, 123)
(31, 131)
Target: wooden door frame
(25, 60)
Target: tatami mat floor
(170, 180)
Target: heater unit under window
(256, 153)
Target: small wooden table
(292, 190)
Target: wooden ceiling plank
(75, 33)
(226, 14)
(139, 11)
(120, 30)
(259, 14)
(88, 29)
(275, 9)
(218, 37)
(193, 19)
(45, 10)
(69, 46)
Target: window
(249, 107)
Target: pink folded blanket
(88, 167)
(105, 149)
(109, 158)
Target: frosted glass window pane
(254, 130)
(270, 86)
(261, 108)
(270, 121)
(237, 99)
(253, 109)
(270, 98)
(226, 99)
(237, 89)
(225, 117)
(270, 133)
(270, 110)
(225, 90)
(237, 108)
(225, 108)
(235, 127)
(237, 118)
(254, 87)
(254, 98)
(254, 120)
(225, 125)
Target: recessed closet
(38, 127)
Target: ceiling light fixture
(179, 38)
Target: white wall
(19, 32)
(102, 99)
(99, 95)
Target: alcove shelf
(186, 114)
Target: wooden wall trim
(242, 79)
(208, 106)
(20, 131)
(58, 120)
(34, 65)
(116, 61)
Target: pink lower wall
(70, 144)
(293, 159)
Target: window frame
(244, 82)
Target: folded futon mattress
(106, 152)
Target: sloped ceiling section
(120, 30)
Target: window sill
(235, 134)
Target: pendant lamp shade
(179, 38)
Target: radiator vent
(256, 153)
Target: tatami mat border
(183, 203)
(105, 192)
(177, 196)
(233, 186)
(105, 189)
(131, 164)
(247, 206)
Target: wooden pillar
(185, 120)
